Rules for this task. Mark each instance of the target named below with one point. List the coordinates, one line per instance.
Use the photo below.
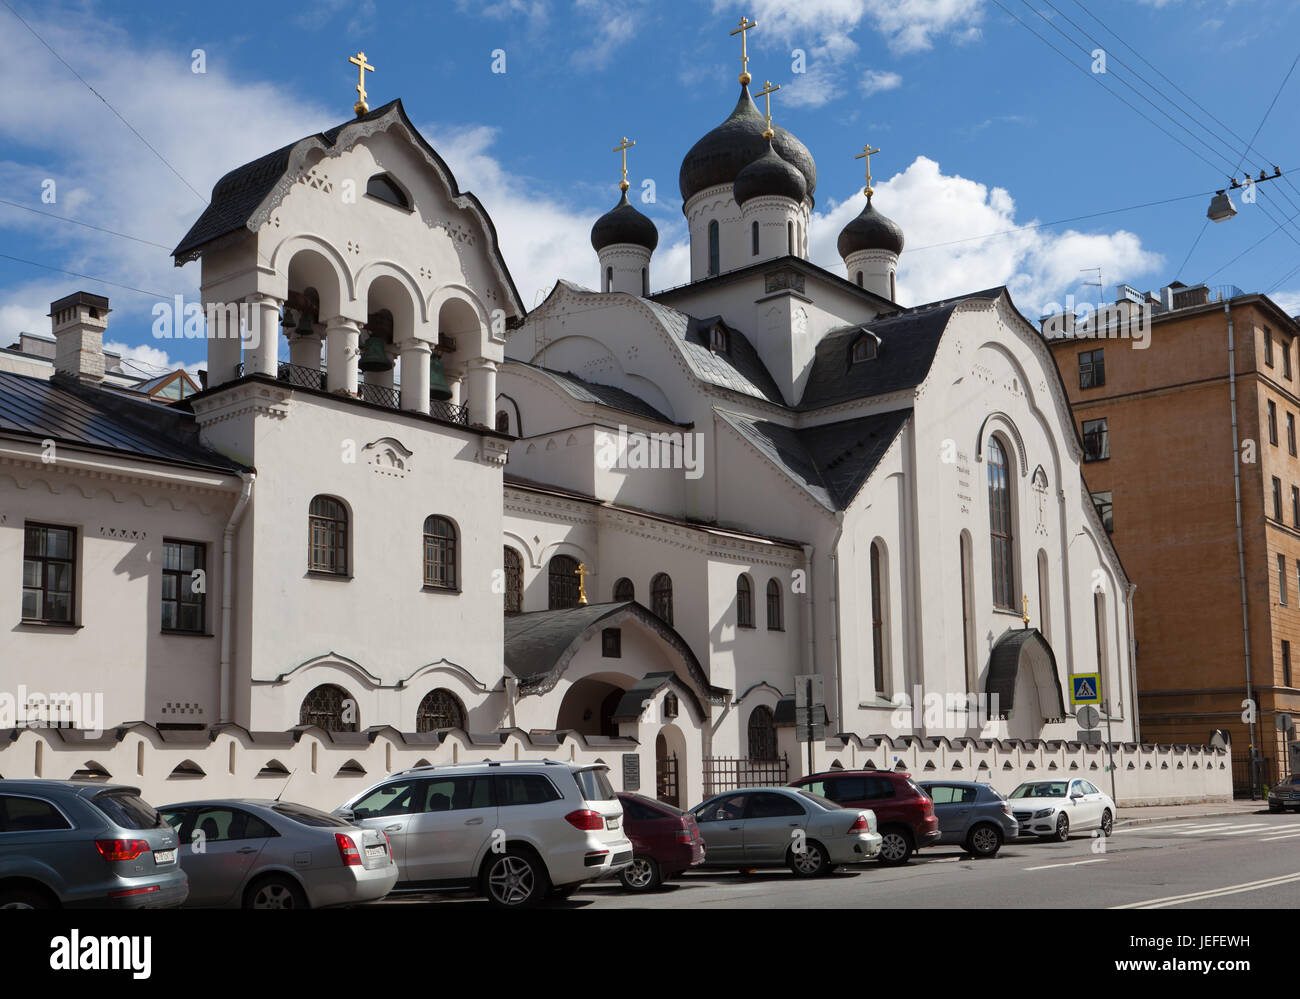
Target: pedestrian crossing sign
(1085, 688)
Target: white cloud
(875, 80)
(146, 361)
(907, 25)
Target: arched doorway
(588, 706)
(670, 766)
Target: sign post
(809, 711)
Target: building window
(1092, 369)
(1286, 359)
(859, 279)
(611, 643)
(744, 602)
(438, 710)
(645, 283)
(439, 553)
(661, 596)
(1096, 440)
(382, 186)
(609, 279)
(1272, 422)
(624, 590)
(877, 620)
(562, 577)
(1105, 510)
(753, 234)
(328, 530)
(789, 238)
(49, 573)
(1295, 506)
(1001, 536)
(1099, 625)
(1268, 346)
(182, 604)
(893, 287)
(762, 734)
(503, 422)
(1286, 663)
(865, 348)
(514, 570)
(1290, 433)
(329, 707)
(775, 607)
(718, 339)
(715, 262)
(968, 612)
(1281, 580)
(1277, 499)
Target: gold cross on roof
(359, 60)
(623, 147)
(745, 25)
(769, 88)
(867, 153)
(582, 573)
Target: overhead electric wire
(64, 218)
(88, 277)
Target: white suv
(511, 830)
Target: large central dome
(721, 154)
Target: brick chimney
(78, 323)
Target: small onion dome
(870, 231)
(769, 175)
(721, 154)
(624, 224)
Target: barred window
(624, 590)
(329, 707)
(514, 570)
(328, 536)
(562, 573)
(439, 553)
(744, 602)
(661, 596)
(762, 734)
(438, 710)
(1001, 537)
(775, 609)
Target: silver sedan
(784, 827)
(277, 855)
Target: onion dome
(870, 231)
(721, 154)
(624, 224)
(769, 175)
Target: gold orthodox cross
(623, 148)
(866, 154)
(745, 25)
(582, 574)
(1024, 603)
(359, 60)
(766, 93)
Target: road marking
(1098, 860)
(1274, 839)
(1198, 826)
(1161, 903)
(1254, 827)
(1207, 830)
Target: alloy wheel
(640, 873)
(273, 896)
(985, 840)
(511, 881)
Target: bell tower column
(264, 336)
(415, 376)
(482, 391)
(341, 337)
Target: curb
(1152, 819)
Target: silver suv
(83, 843)
(512, 831)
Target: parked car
(256, 854)
(904, 812)
(1052, 809)
(85, 843)
(1285, 794)
(784, 827)
(665, 842)
(512, 830)
(974, 815)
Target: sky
(1011, 151)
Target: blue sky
(984, 128)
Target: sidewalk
(1140, 815)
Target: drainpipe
(227, 587)
(1132, 667)
(1241, 544)
(810, 656)
(835, 620)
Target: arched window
(438, 710)
(775, 608)
(645, 283)
(744, 602)
(609, 279)
(877, 619)
(562, 577)
(624, 590)
(661, 596)
(715, 261)
(893, 287)
(859, 279)
(384, 188)
(968, 615)
(513, 563)
(762, 734)
(1001, 537)
(753, 235)
(789, 238)
(1099, 623)
(864, 348)
(329, 707)
(1044, 597)
(327, 530)
(503, 422)
(439, 553)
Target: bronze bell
(438, 387)
(374, 357)
(287, 320)
(304, 324)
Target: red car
(904, 813)
(665, 842)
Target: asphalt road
(1240, 861)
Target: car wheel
(1107, 823)
(24, 898)
(984, 840)
(275, 892)
(641, 875)
(895, 847)
(1062, 828)
(811, 862)
(514, 879)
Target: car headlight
(1043, 813)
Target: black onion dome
(624, 224)
(721, 154)
(769, 175)
(870, 231)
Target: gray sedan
(784, 827)
(277, 855)
(973, 815)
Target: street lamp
(1221, 208)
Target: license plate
(613, 823)
(374, 851)
(164, 856)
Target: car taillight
(685, 836)
(586, 819)
(860, 825)
(121, 849)
(348, 851)
(388, 843)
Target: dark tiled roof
(631, 704)
(69, 412)
(605, 395)
(1024, 649)
(738, 368)
(831, 461)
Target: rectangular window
(1295, 505)
(611, 643)
(1105, 510)
(1286, 663)
(1092, 369)
(49, 573)
(1286, 360)
(1272, 422)
(1281, 580)
(1290, 433)
(1277, 499)
(184, 586)
(1096, 440)
(1268, 346)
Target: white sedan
(1052, 809)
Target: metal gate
(722, 773)
(666, 780)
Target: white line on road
(1274, 839)
(1206, 830)
(1097, 860)
(1161, 903)
(1199, 826)
(1253, 828)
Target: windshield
(307, 816)
(594, 785)
(1047, 789)
(820, 802)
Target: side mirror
(346, 814)
(1077, 794)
